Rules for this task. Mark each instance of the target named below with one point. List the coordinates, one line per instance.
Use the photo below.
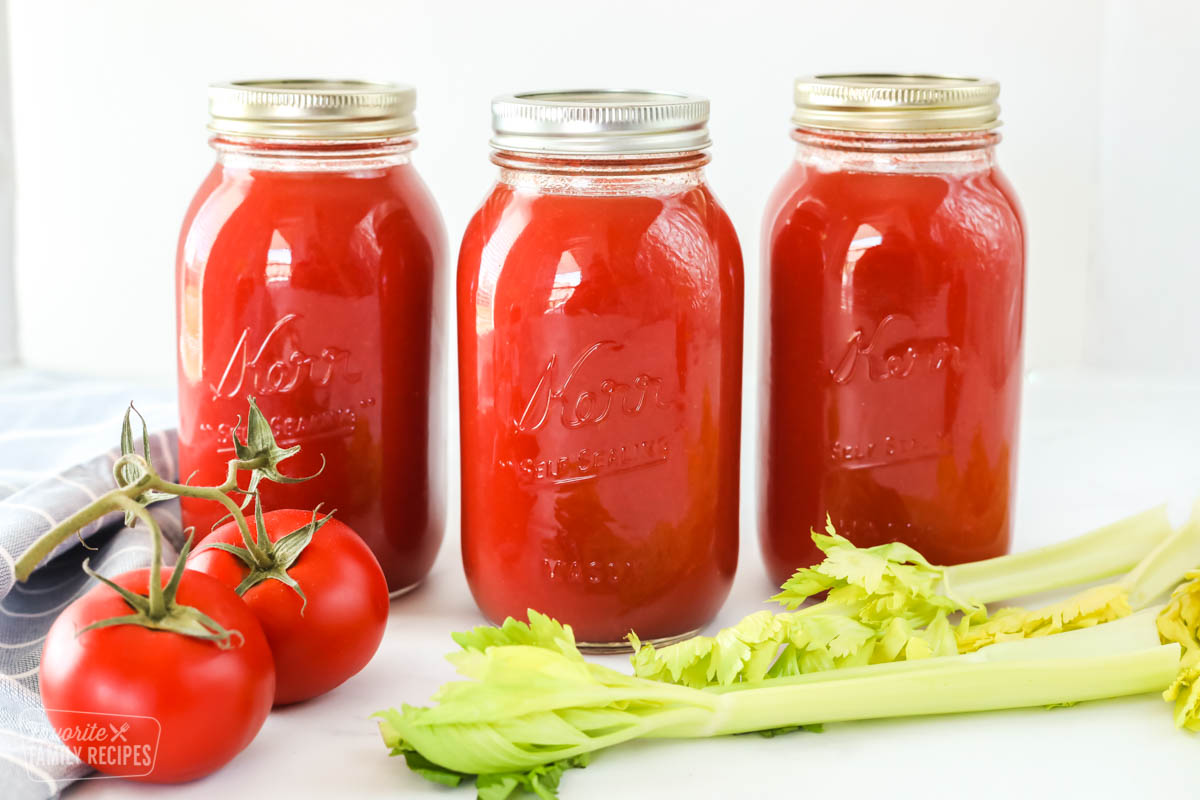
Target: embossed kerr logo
(887, 355)
(276, 365)
(578, 402)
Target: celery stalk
(1135, 632)
(1163, 568)
(938, 689)
(532, 706)
(1102, 553)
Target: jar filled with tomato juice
(306, 278)
(600, 349)
(894, 253)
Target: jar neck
(305, 155)
(941, 152)
(654, 173)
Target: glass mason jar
(306, 278)
(600, 350)
(894, 253)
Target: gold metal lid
(600, 122)
(896, 103)
(312, 109)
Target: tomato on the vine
(319, 594)
(207, 694)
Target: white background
(1099, 109)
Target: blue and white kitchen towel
(51, 430)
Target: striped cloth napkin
(51, 430)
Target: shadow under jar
(306, 278)
(600, 350)
(894, 254)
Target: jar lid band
(896, 103)
(600, 121)
(312, 109)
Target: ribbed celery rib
(966, 687)
(1120, 658)
(1163, 569)
(1102, 553)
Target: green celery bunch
(531, 706)
(888, 603)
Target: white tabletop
(1093, 448)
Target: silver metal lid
(896, 103)
(600, 122)
(312, 109)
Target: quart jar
(600, 350)
(306, 278)
(894, 253)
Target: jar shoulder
(954, 208)
(524, 237)
(245, 214)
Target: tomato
(341, 625)
(206, 702)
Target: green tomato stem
(118, 499)
(158, 606)
(220, 495)
(41, 549)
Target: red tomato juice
(312, 290)
(892, 351)
(600, 372)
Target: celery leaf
(541, 781)
(1093, 606)
(1184, 691)
(540, 631)
(1179, 622)
(884, 603)
(874, 584)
